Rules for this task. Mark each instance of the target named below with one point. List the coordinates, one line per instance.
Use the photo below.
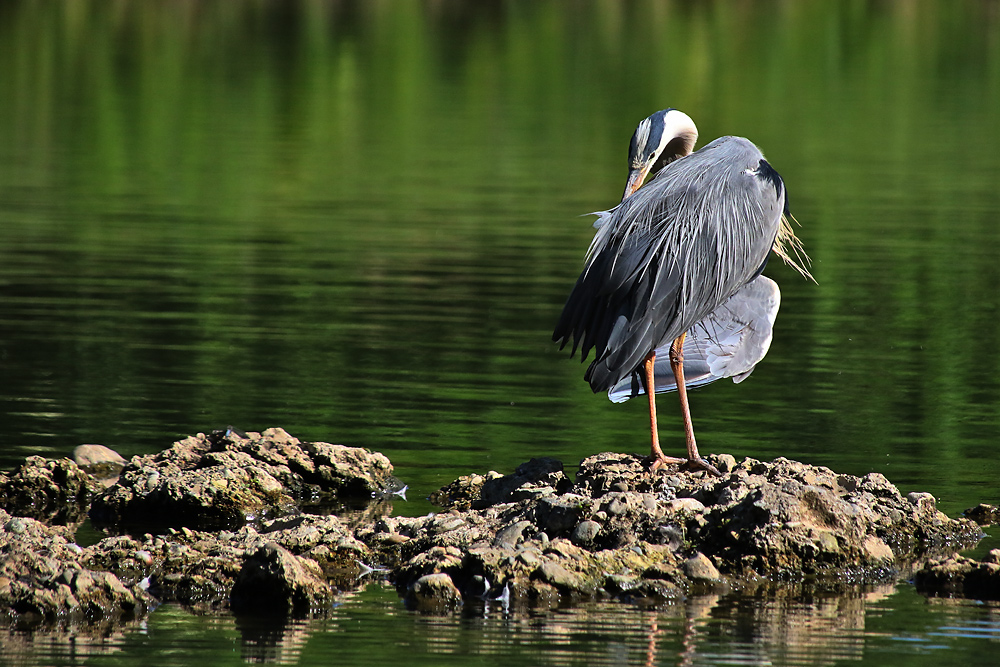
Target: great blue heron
(675, 269)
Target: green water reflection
(874, 627)
(359, 220)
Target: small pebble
(700, 568)
(586, 532)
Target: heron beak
(635, 179)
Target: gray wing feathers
(729, 342)
(669, 254)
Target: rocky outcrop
(54, 492)
(275, 582)
(200, 568)
(44, 578)
(242, 522)
(623, 532)
(959, 576)
(227, 479)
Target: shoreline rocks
(242, 522)
(226, 479)
(44, 579)
(54, 492)
(959, 576)
(622, 532)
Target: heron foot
(701, 464)
(689, 465)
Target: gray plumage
(729, 342)
(670, 254)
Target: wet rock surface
(959, 576)
(199, 569)
(54, 492)
(100, 462)
(44, 578)
(955, 575)
(273, 581)
(230, 521)
(229, 478)
(623, 532)
(435, 593)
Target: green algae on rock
(216, 517)
(619, 529)
(44, 578)
(226, 479)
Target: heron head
(658, 140)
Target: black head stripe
(656, 122)
(767, 172)
(632, 147)
(646, 138)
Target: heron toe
(688, 465)
(699, 463)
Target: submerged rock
(983, 514)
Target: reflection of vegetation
(365, 212)
(371, 627)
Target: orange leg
(655, 452)
(694, 459)
(677, 366)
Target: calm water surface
(359, 220)
(877, 626)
